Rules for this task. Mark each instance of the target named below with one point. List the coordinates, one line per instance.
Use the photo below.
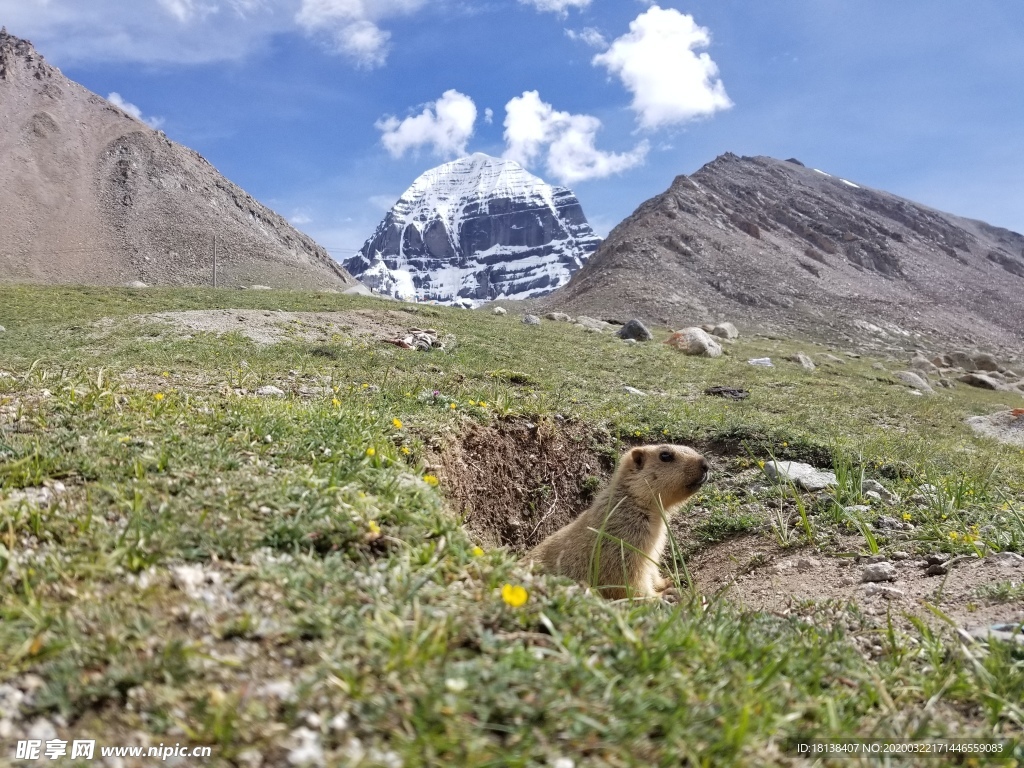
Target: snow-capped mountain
(473, 230)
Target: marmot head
(672, 472)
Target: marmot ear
(637, 455)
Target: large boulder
(802, 360)
(694, 341)
(913, 380)
(982, 381)
(962, 360)
(985, 362)
(635, 330)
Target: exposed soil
(271, 327)
(517, 481)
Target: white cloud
(116, 99)
(534, 128)
(556, 6)
(589, 36)
(300, 219)
(657, 62)
(488, 115)
(353, 25)
(446, 125)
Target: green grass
(331, 563)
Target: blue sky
(327, 110)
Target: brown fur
(631, 511)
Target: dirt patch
(518, 481)
(273, 326)
(756, 574)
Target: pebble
(531, 320)
(307, 750)
(499, 311)
(807, 564)
(1006, 559)
(250, 758)
(872, 559)
(2, 329)
(269, 390)
(878, 572)
(888, 593)
(42, 729)
(802, 475)
(635, 391)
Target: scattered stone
(873, 495)
(804, 361)
(269, 391)
(762, 362)
(878, 572)
(592, 325)
(631, 342)
(356, 290)
(499, 311)
(531, 320)
(833, 359)
(2, 329)
(282, 690)
(982, 381)
(802, 475)
(730, 392)
(1007, 633)
(250, 758)
(804, 564)
(878, 367)
(873, 486)
(136, 284)
(42, 729)
(635, 391)
(725, 331)
(634, 329)
(857, 509)
(558, 317)
(937, 558)
(1006, 560)
(886, 523)
(921, 363)
(889, 593)
(985, 362)
(307, 749)
(912, 379)
(260, 288)
(899, 556)
(696, 342)
(872, 559)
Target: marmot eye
(667, 456)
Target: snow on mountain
(474, 230)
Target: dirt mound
(89, 194)
(271, 327)
(779, 246)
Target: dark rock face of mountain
(473, 230)
(88, 194)
(787, 248)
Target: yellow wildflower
(906, 516)
(158, 396)
(477, 552)
(404, 450)
(430, 480)
(335, 402)
(374, 528)
(366, 386)
(396, 423)
(483, 404)
(516, 596)
(371, 451)
(452, 406)
(953, 535)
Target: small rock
(531, 320)
(856, 509)
(846, 581)
(356, 290)
(695, 342)
(1007, 633)
(889, 593)
(725, 331)
(873, 486)
(633, 342)
(260, 288)
(558, 317)
(42, 729)
(269, 390)
(872, 559)
(250, 758)
(803, 360)
(1006, 559)
(2, 329)
(307, 749)
(733, 393)
(937, 570)
(762, 362)
(912, 379)
(878, 572)
(282, 690)
(937, 558)
(634, 329)
(136, 284)
(833, 359)
(499, 311)
(804, 564)
(592, 325)
(802, 475)
(873, 495)
(900, 556)
(635, 391)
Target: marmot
(623, 562)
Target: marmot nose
(705, 470)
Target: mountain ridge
(777, 245)
(89, 194)
(476, 229)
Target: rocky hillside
(473, 230)
(778, 246)
(88, 194)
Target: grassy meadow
(286, 580)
